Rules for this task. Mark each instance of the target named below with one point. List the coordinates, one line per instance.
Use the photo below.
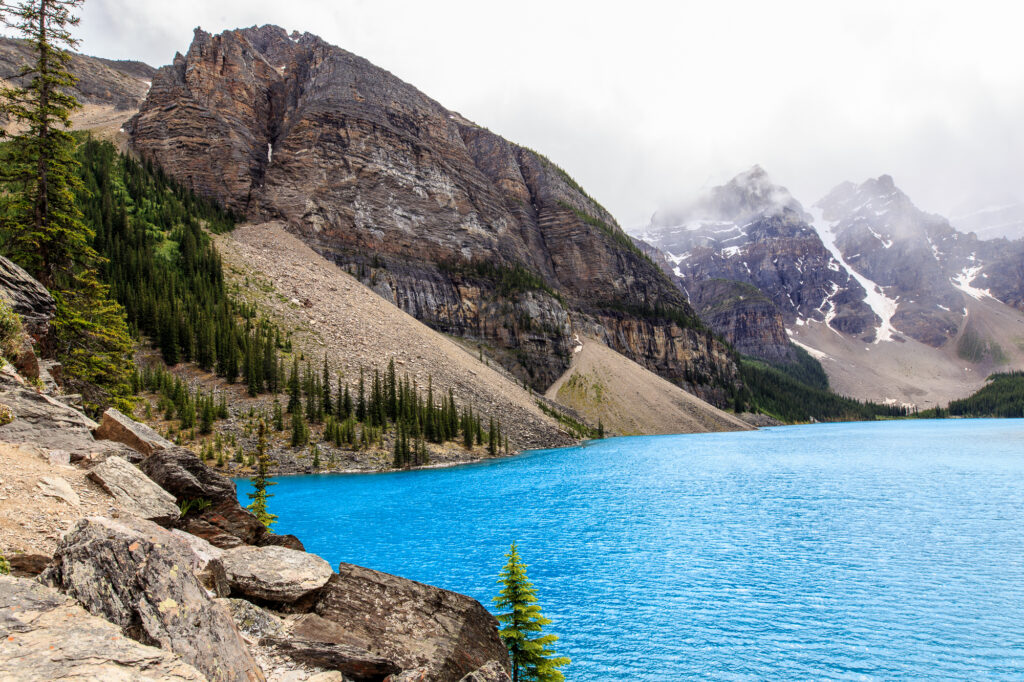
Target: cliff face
(745, 317)
(468, 232)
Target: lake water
(849, 551)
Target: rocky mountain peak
(467, 232)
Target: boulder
(275, 574)
(253, 621)
(115, 426)
(289, 541)
(140, 577)
(134, 492)
(178, 471)
(44, 635)
(415, 625)
(27, 297)
(209, 568)
(492, 672)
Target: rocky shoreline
(111, 580)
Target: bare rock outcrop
(27, 297)
(224, 523)
(274, 574)
(135, 492)
(45, 635)
(492, 672)
(115, 426)
(412, 624)
(140, 577)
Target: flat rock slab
(116, 426)
(449, 635)
(55, 486)
(135, 492)
(140, 577)
(274, 573)
(44, 635)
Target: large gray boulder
(135, 492)
(44, 635)
(275, 574)
(115, 426)
(447, 634)
(141, 577)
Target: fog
(645, 104)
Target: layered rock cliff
(468, 232)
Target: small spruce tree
(530, 651)
(261, 481)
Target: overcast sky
(645, 103)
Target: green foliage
(163, 267)
(782, 391)
(43, 227)
(5, 565)
(975, 348)
(10, 331)
(508, 280)
(261, 481)
(522, 624)
(6, 415)
(615, 234)
(1001, 396)
(578, 429)
(196, 505)
(178, 400)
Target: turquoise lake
(846, 551)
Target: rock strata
(140, 577)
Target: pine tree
(260, 481)
(41, 225)
(278, 417)
(521, 620)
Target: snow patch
(270, 152)
(730, 251)
(963, 283)
(880, 304)
(813, 352)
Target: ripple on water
(840, 551)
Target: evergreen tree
(261, 481)
(300, 430)
(328, 406)
(521, 620)
(278, 416)
(294, 397)
(41, 227)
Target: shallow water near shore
(854, 551)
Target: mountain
(754, 232)
(110, 90)
(472, 234)
(107, 82)
(903, 307)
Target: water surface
(848, 551)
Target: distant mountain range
(863, 262)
